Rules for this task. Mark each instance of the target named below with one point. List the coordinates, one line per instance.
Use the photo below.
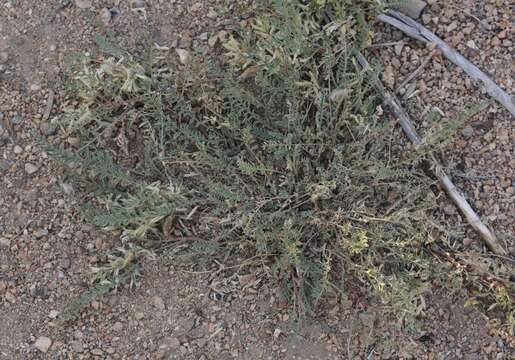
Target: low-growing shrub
(277, 153)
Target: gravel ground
(481, 156)
(45, 250)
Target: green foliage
(278, 155)
(122, 268)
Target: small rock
(139, 316)
(5, 165)
(449, 210)
(185, 41)
(158, 302)
(18, 150)
(184, 56)
(496, 41)
(452, 26)
(467, 131)
(43, 343)
(35, 87)
(16, 120)
(31, 168)
(212, 14)
(97, 352)
(67, 188)
(4, 56)
(38, 234)
(222, 35)
(5, 243)
(99, 243)
(204, 36)
(339, 94)
(95, 305)
(118, 326)
(48, 128)
(10, 297)
(472, 45)
(212, 40)
(114, 12)
(171, 343)
(105, 16)
(53, 314)
(83, 4)
(389, 77)
(412, 8)
(467, 242)
(77, 346)
(137, 4)
(65, 263)
(74, 141)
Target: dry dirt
(45, 249)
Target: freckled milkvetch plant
(275, 153)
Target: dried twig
(419, 32)
(49, 105)
(394, 104)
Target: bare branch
(473, 219)
(419, 32)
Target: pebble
(65, 263)
(184, 56)
(31, 168)
(467, 242)
(105, 16)
(53, 314)
(10, 297)
(4, 56)
(467, 131)
(5, 165)
(18, 150)
(158, 302)
(48, 128)
(496, 41)
(471, 44)
(5, 243)
(73, 141)
(43, 343)
(449, 210)
(412, 8)
(171, 343)
(77, 346)
(97, 352)
(139, 316)
(137, 4)
(35, 87)
(83, 4)
(118, 326)
(212, 40)
(38, 234)
(16, 120)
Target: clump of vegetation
(279, 153)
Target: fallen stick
(473, 219)
(49, 104)
(419, 32)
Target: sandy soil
(46, 250)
